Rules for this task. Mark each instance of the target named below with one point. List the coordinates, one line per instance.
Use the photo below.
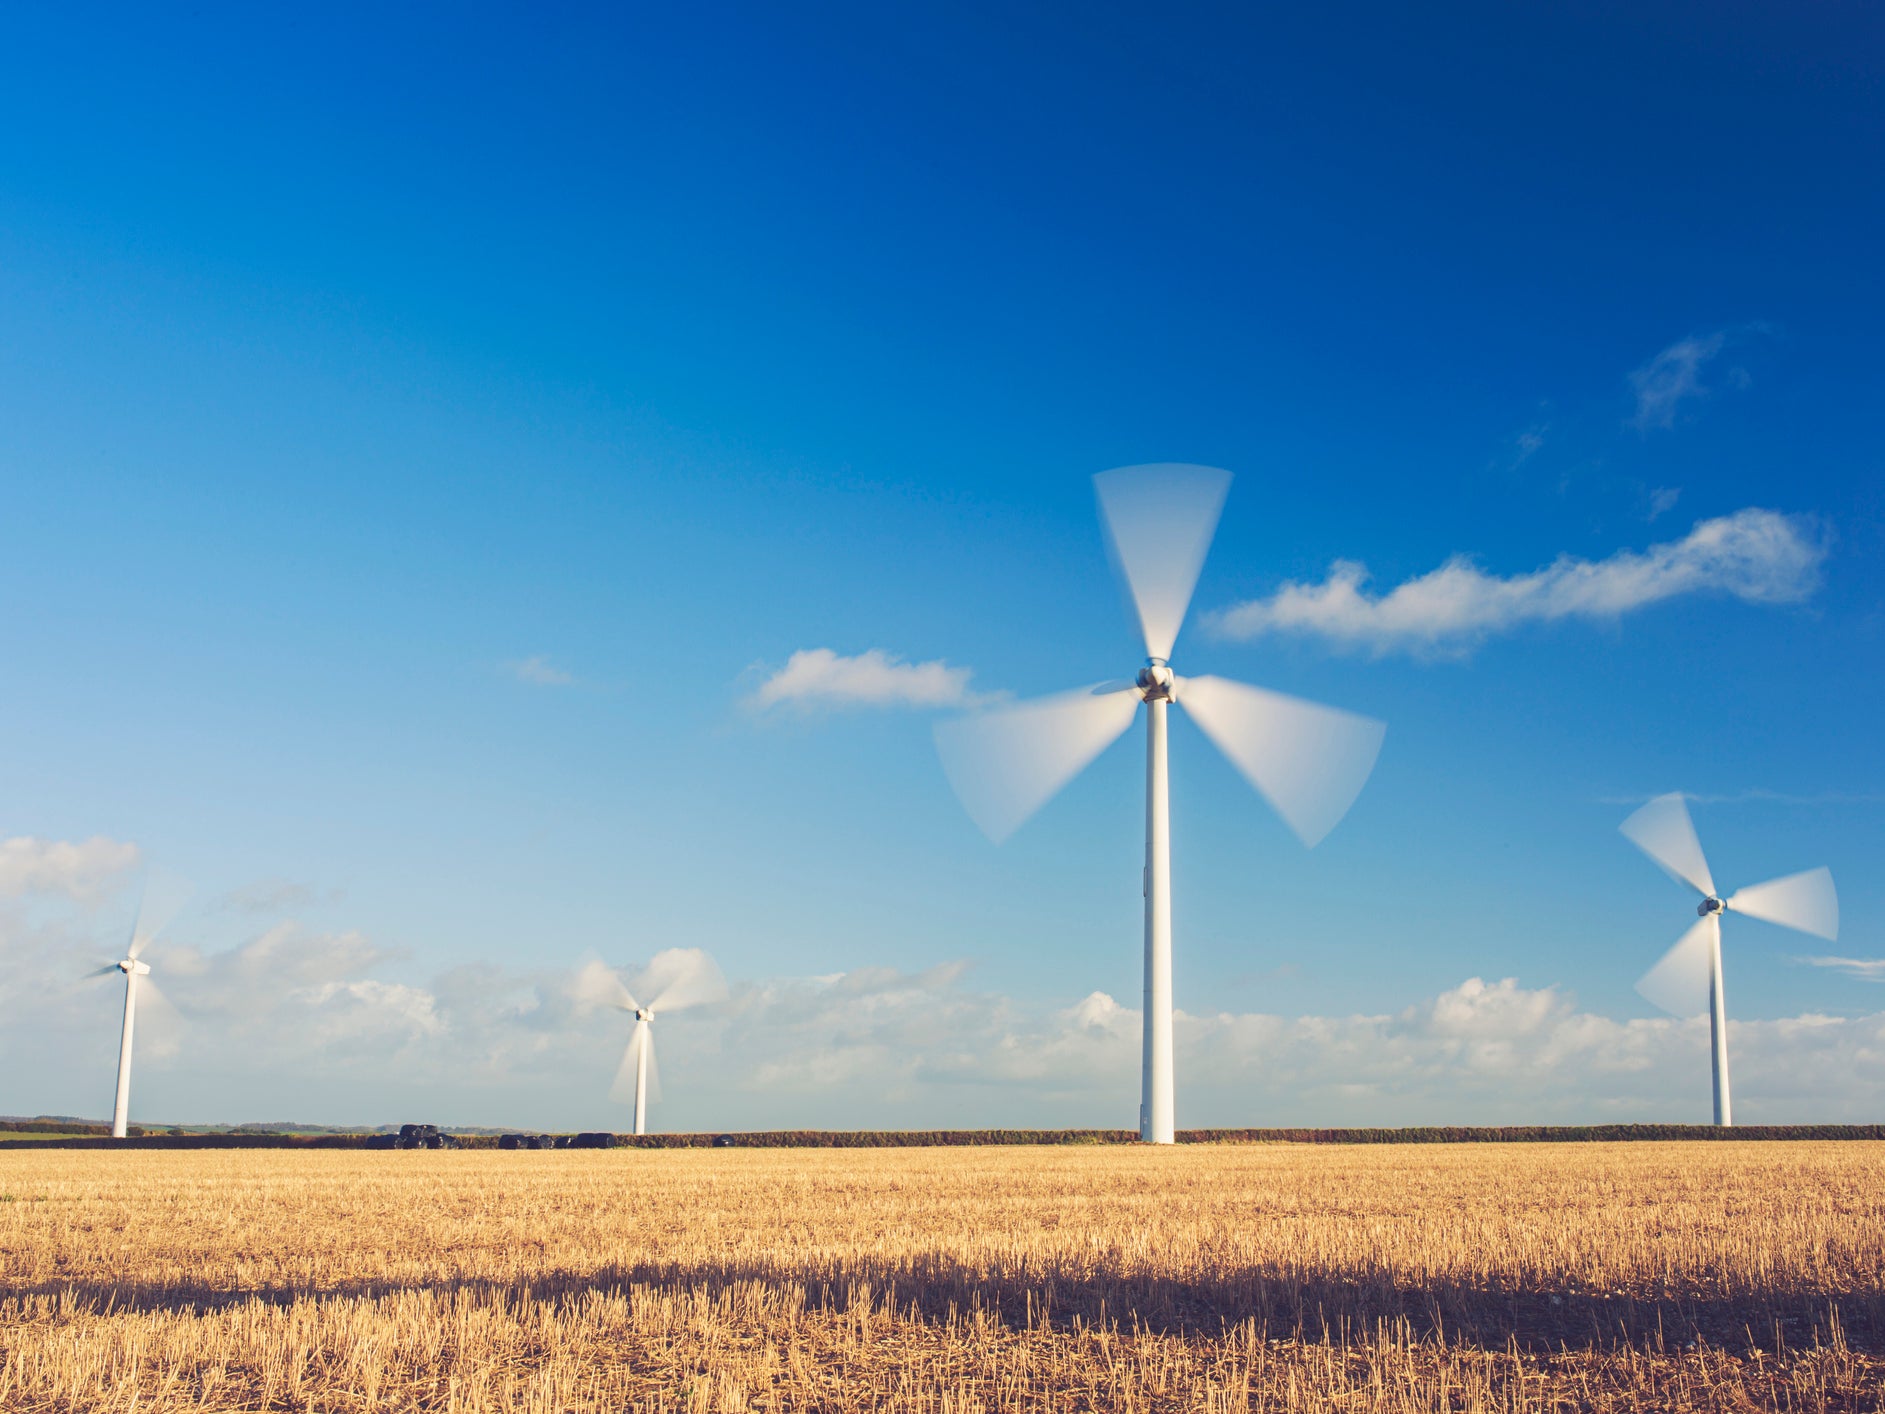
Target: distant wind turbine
(1308, 761)
(1688, 978)
(677, 979)
(163, 895)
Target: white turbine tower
(1688, 978)
(677, 979)
(1308, 761)
(163, 896)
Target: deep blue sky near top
(347, 356)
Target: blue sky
(424, 432)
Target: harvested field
(1432, 1277)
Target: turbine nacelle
(1156, 682)
(131, 967)
(1709, 905)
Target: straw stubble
(1430, 1277)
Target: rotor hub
(1155, 681)
(1709, 905)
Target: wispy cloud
(81, 871)
(1526, 444)
(1866, 969)
(1662, 499)
(539, 670)
(819, 677)
(1672, 378)
(1763, 557)
(276, 896)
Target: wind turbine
(1308, 761)
(1688, 977)
(678, 978)
(163, 896)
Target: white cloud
(358, 1010)
(77, 871)
(539, 670)
(1763, 557)
(1662, 499)
(1672, 377)
(1867, 969)
(293, 992)
(820, 677)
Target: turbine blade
(164, 896)
(1679, 982)
(622, 1091)
(683, 977)
(1308, 761)
(597, 985)
(1662, 830)
(1007, 763)
(104, 971)
(1159, 523)
(1804, 901)
(159, 1023)
(654, 1071)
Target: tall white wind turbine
(1308, 761)
(677, 978)
(163, 896)
(1688, 978)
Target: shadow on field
(1305, 1305)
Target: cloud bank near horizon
(311, 1025)
(1757, 556)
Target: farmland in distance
(1434, 1277)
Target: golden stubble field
(1629, 1276)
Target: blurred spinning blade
(1662, 830)
(597, 985)
(1006, 763)
(1806, 901)
(160, 1025)
(1308, 761)
(163, 898)
(1679, 982)
(622, 1090)
(682, 977)
(1159, 522)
